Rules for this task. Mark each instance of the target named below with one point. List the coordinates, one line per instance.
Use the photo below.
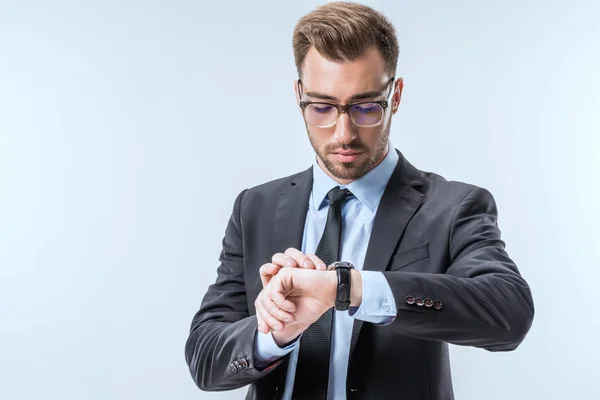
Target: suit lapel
(398, 204)
(290, 213)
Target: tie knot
(337, 196)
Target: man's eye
(322, 108)
(367, 107)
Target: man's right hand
(281, 321)
(271, 318)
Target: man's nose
(344, 129)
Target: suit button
(437, 305)
(409, 300)
(243, 363)
(428, 302)
(419, 302)
(232, 367)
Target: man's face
(345, 150)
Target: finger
(284, 260)
(267, 317)
(319, 264)
(284, 304)
(267, 271)
(277, 287)
(263, 327)
(267, 321)
(300, 258)
(277, 312)
(274, 293)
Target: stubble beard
(352, 170)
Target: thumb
(267, 271)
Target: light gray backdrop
(128, 127)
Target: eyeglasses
(365, 114)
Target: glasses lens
(318, 114)
(366, 114)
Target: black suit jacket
(434, 240)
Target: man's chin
(346, 171)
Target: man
(423, 261)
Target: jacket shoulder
(266, 194)
(279, 183)
(453, 192)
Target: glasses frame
(345, 108)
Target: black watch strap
(342, 298)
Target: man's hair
(342, 31)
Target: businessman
(349, 279)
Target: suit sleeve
(219, 349)
(484, 300)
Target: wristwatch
(342, 298)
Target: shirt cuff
(378, 305)
(267, 352)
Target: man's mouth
(346, 155)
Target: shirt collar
(368, 189)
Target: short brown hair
(342, 31)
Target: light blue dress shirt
(378, 305)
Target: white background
(127, 128)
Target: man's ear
(398, 86)
(297, 91)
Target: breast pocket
(415, 259)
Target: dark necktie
(312, 370)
